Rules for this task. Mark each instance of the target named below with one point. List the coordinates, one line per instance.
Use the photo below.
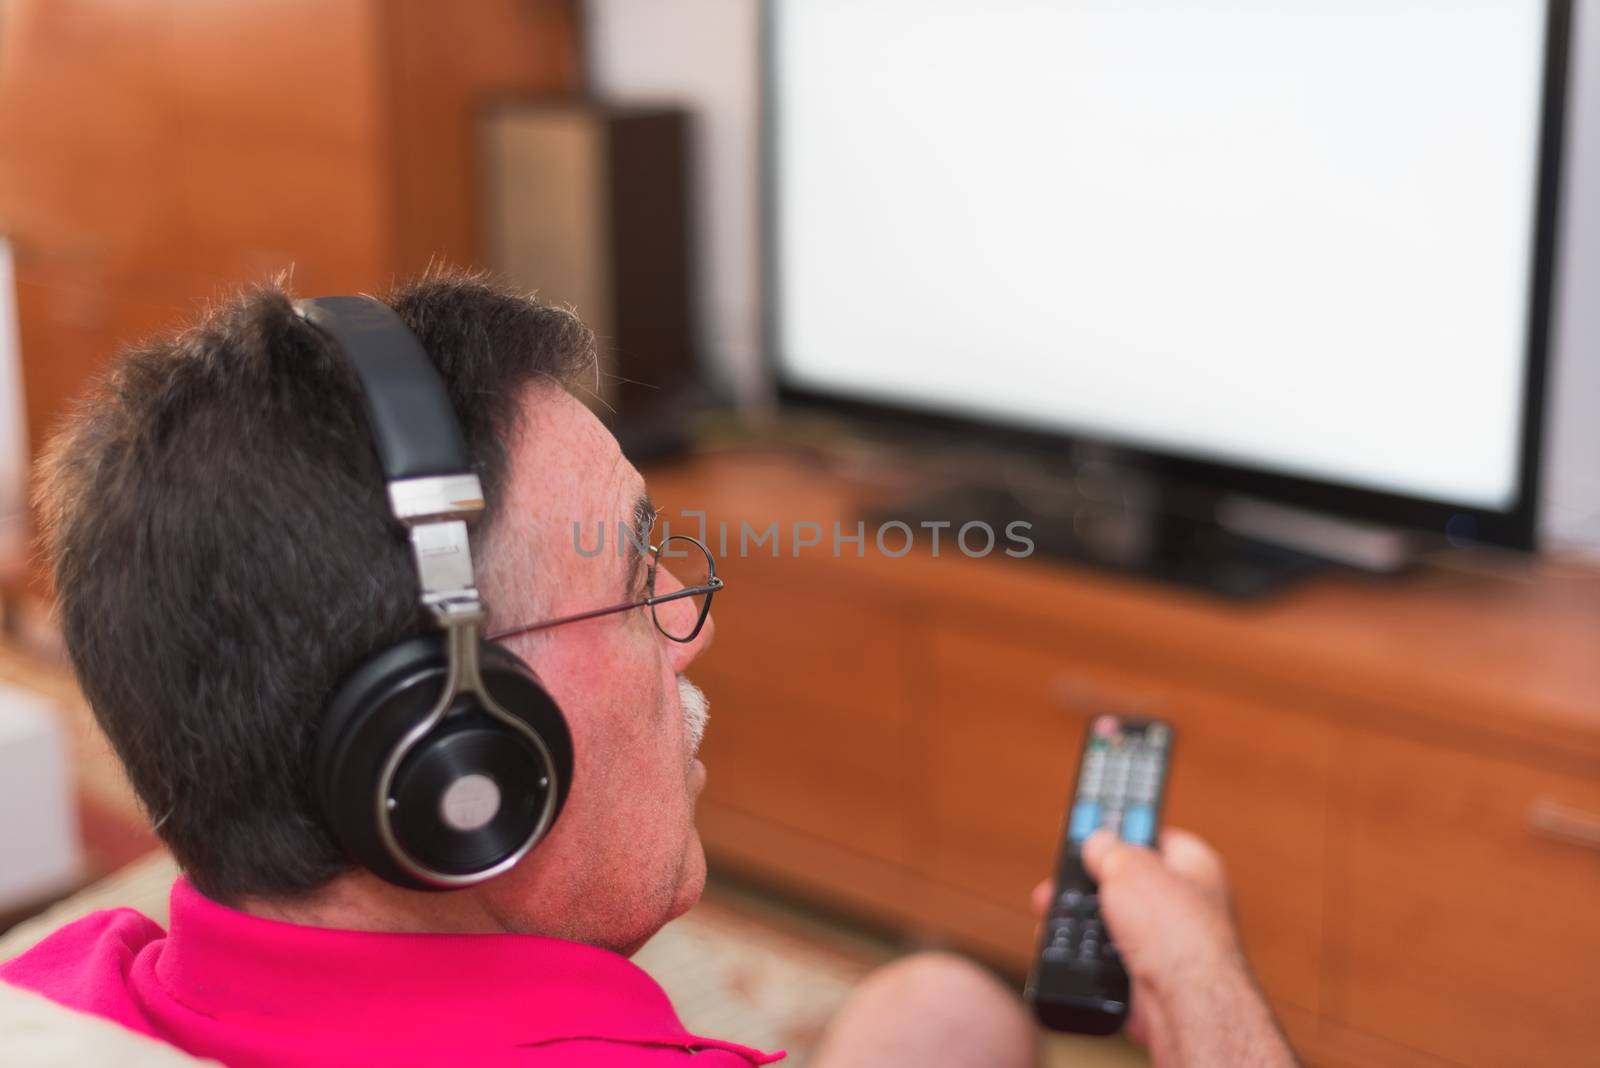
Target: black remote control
(1078, 982)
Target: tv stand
(1122, 521)
(1371, 759)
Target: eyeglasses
(685, 609)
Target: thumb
(1108, 859)
(1100, 852)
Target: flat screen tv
(1299, 250)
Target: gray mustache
(696, 711)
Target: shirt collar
(516, 989)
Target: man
(224, 556)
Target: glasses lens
(681, 564)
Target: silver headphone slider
(443, 557)
(423, 500)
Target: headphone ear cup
(381, 704)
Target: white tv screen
(1297, 237)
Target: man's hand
(1194, 1001)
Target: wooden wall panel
(281, 156)
(445, 67)
(157, 156)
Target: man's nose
(702, 641)
(681, 613)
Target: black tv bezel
(1513, 528)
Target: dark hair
(224, 554)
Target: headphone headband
(432, 488)
(413, 425)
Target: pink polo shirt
(249, 991)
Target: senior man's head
(224, 555)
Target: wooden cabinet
(1251, 777)
(815, 742)
(1403, 777)
(1466, 904)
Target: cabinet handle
(1070, 689)
(1082, 694)
(1555, 821)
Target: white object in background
(41, 1033)
(38, 835)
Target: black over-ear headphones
(441, 761)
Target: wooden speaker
(588, 206)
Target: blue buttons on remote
(1085, 818)
(1139, 825)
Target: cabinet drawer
(809, 714)
(1466, 904)
(1006, 733)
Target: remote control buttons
(1077, 937)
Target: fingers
(1104, 855)
(1138, 871)
(1188, 855)
(1097, 850)
(1041, 897)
